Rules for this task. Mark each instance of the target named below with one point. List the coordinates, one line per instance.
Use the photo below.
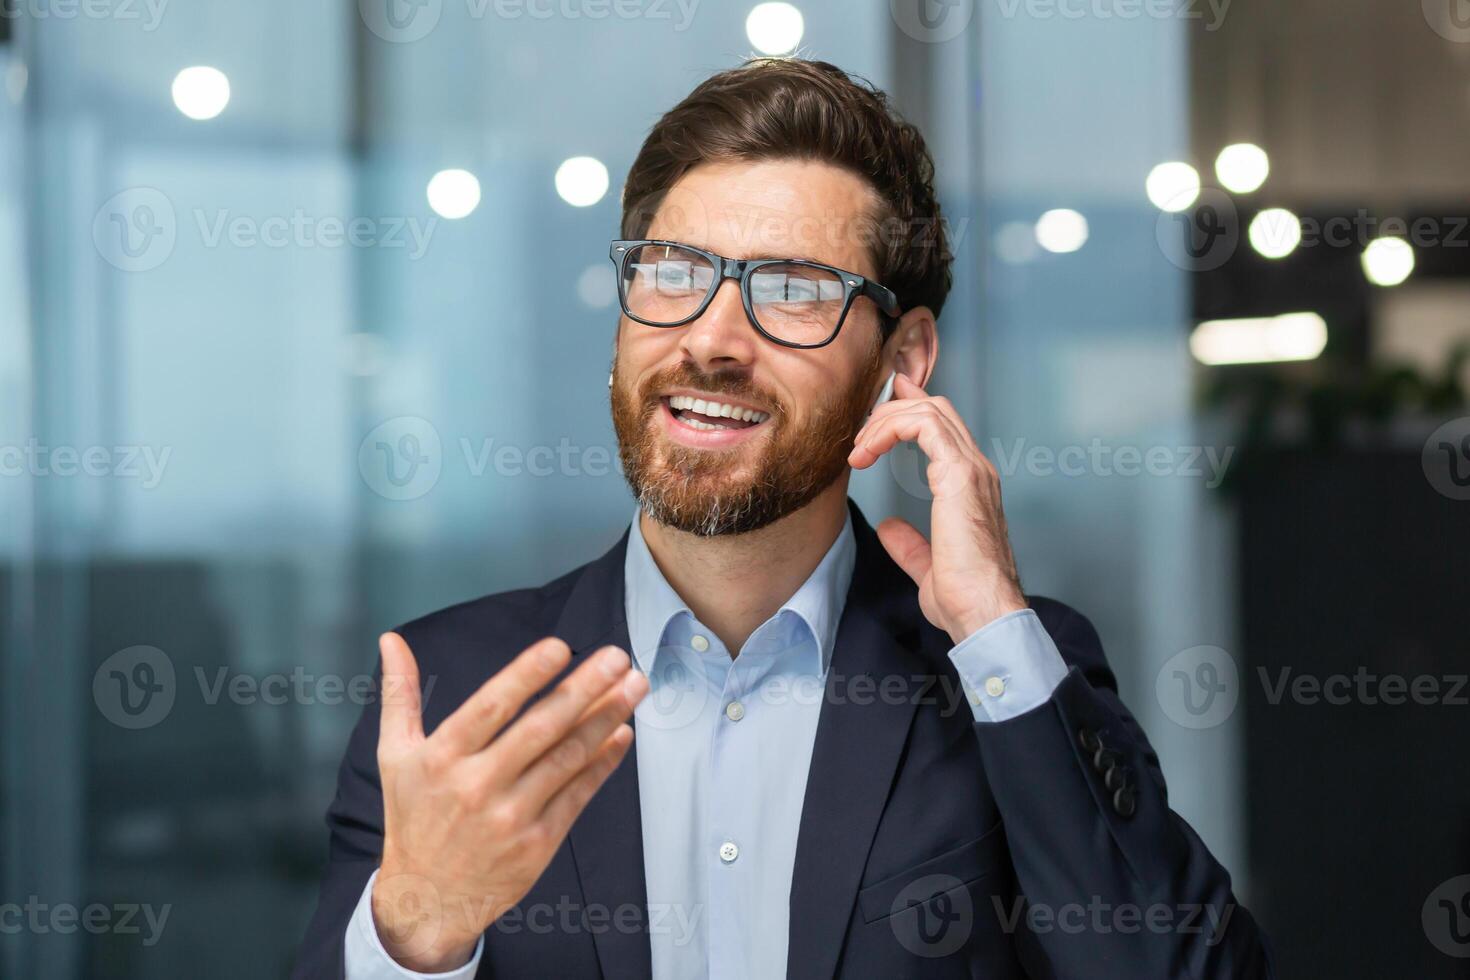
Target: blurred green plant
(1314, 405)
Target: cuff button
(1124, 802)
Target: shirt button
(994, 686)
(729, 852)
(734, 711)
(700, 643)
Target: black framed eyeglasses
(791, 302)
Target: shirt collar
(651, 602)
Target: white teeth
(716, 409)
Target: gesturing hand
(473, 813)
(967, 577)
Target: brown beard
(695, 490)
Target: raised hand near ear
(967, 575)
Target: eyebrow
(764, 258)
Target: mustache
(733, 383)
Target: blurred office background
(305, 312)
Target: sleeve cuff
(1008, 667)
(366, 959)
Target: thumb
(907, 546)
(402, 711)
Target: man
(860, 753)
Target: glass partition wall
(282, 364)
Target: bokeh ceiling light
(775, 28)
(201, 92)
(1242, 167)
(1061, 230)
(1388, 261)
(453, 193)
(581, 181)
(1275, 233)
(1172, 186)
(1259, 340)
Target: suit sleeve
(1117, 883)
(355, 825)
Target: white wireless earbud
(887, 391)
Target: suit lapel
(858, 744)
(607, 839)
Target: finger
(572, 754)
(947, 409)
(401, 720)
(894, 409)
(922, 424)
(548, 722)
(908, 547)
(563, 809)
(904, 394)
(474, 723)
(912, 397)
(906, 387)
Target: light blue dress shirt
(724, 746)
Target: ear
(914, 346)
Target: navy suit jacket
(929, 846)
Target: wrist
(972, 622)
(411, 923)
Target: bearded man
(859, 753)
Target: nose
(722, 338)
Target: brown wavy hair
(789, 108)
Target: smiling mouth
(709, 416)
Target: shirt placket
(730, 837)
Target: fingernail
(635, 685)
(612, 662)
